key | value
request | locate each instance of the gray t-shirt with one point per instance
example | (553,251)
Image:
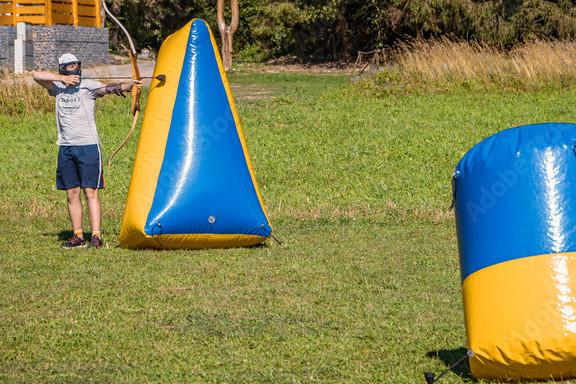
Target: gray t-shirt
(75,112)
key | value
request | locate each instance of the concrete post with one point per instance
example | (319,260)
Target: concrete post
(20,48)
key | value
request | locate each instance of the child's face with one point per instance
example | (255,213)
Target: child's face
(72,66)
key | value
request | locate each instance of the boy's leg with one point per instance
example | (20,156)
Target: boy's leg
(67,180)
(75,210)
(94,210)
(91,179)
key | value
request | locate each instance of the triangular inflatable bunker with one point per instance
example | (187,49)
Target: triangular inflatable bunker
(193,185)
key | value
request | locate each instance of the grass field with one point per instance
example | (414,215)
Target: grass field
(365,290)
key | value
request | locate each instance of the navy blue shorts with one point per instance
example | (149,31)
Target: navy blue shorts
(79,166)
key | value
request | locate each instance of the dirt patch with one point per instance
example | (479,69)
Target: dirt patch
(329,68)
(252,92)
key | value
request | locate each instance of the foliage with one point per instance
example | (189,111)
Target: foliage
(20,96)
(321,30)
(443,64)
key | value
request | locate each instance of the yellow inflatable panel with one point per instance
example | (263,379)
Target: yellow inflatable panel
(521,318)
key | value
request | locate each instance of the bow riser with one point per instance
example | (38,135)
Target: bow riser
(135,108)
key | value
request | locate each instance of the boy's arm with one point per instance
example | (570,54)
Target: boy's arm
(117,89)
(47,79)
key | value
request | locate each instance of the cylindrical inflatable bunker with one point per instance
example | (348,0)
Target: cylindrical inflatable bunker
(515,204)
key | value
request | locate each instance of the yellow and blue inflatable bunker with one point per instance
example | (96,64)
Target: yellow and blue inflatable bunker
(193,185)
(515,201)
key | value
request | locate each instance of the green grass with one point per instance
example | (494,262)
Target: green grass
(366,289)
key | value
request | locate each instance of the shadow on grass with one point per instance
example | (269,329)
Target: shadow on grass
(66,234)
(449,357)
(258,246)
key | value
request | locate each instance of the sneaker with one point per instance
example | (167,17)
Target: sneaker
(74,242)
(96,242)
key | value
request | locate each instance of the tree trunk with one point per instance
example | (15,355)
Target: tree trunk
(227,31)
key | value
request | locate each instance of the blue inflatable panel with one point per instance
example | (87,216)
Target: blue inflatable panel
(204,175)
(515,196)
(193,184)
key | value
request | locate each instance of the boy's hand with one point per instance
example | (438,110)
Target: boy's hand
(70,80)
(126,86)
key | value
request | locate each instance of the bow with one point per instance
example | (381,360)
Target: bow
(135,109)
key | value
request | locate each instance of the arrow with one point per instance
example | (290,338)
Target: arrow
(160,78)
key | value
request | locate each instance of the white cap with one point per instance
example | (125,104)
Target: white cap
(67,58)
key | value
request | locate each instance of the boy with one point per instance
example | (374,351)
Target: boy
(79,155)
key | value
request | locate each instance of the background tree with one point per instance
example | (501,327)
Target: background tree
(227,31)
(334,30)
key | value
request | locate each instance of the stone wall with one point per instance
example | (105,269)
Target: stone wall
(88,44)
(7,36)
(46,43)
